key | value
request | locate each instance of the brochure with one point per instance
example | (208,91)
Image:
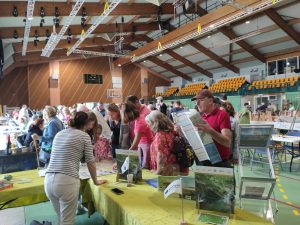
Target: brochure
(201,142)
(213,219)
(128,162)
(215,188)
(188,188)
(206,138)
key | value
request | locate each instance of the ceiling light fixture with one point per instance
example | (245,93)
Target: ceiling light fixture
(160,55)
(29,14)
(119,65)
(205,29)
(56,12)
(42,12)
(36,35)
(247,22)
(15,12)
(208,36)
(55,38)
(99,20)
(181,47)
(15,35)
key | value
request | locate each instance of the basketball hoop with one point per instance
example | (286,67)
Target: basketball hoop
(114,93)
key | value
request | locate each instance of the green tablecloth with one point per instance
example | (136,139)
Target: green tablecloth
(27,193)
(142,204)
(139,205)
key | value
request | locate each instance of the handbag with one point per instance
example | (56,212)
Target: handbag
(44,156)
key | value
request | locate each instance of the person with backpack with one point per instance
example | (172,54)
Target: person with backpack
(163,160)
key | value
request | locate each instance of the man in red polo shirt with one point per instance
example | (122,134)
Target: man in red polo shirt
(218,122)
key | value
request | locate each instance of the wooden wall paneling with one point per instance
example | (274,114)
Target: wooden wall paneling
(131,81)
(13,88)
(38,85)
(73,89)
(155,81)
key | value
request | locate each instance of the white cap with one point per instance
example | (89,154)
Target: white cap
(159,98)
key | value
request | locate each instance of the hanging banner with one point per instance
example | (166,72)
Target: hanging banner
(199,29)
(159,47)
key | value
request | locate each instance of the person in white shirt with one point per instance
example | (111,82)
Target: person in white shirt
(106,132)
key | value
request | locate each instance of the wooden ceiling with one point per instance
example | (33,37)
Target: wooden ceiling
(142,34)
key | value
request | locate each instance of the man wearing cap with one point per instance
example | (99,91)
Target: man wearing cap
(162,107)
(218,123)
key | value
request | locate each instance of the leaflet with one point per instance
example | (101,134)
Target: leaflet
(201,142)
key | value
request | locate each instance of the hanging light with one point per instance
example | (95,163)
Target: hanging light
(15,35)
(15,12)
(42,12)
(56,12)
(83,12)
(36,35)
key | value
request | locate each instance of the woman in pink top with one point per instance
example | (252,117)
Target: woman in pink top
(142,132)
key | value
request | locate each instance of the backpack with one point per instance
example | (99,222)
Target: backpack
(183,152)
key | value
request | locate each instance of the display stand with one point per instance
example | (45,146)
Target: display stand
(256,188)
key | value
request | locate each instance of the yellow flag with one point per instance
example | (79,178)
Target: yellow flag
(82,32)
(105,6)
(273,1)
(159,46)
(199,29)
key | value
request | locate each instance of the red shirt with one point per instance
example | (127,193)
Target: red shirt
(219,120)
(142,127)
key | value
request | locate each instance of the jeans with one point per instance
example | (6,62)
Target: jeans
(144,150)
(63,190)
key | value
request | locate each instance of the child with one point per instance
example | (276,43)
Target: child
(102,148)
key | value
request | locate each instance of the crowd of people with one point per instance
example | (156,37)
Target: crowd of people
(70,135)
(133,125)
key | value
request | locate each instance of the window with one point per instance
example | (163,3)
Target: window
(272,70)
(291,65)
(284,66)
(281,66)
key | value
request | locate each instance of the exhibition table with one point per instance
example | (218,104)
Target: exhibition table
(292,140)
(285,138)
(28,188)
(140,204)
(143,204)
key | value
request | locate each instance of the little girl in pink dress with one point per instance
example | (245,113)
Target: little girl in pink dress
(102,147)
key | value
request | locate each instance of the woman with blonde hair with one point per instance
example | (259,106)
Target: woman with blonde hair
(53,126)
(162,160)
